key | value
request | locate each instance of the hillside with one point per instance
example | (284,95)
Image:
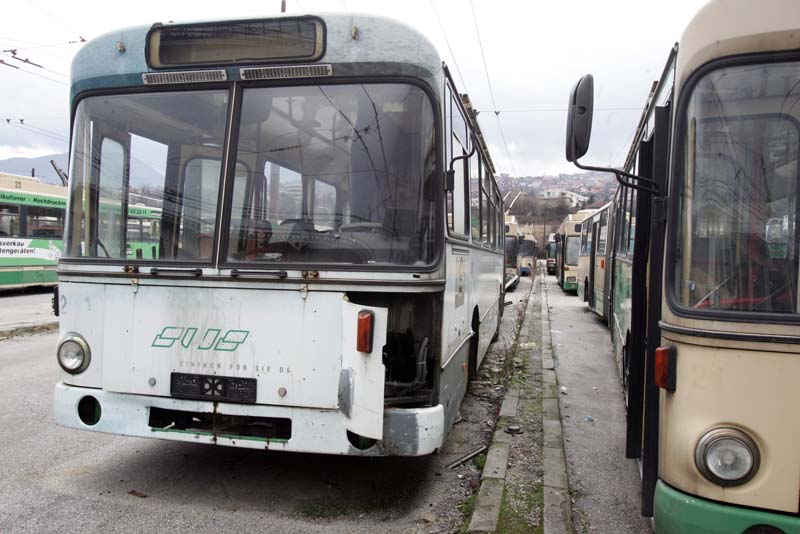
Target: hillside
(41,166)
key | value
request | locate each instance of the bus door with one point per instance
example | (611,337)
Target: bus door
(592,264)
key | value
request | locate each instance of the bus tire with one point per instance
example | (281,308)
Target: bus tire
(472,362)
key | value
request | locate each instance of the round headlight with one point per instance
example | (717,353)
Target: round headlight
(73,354)
(727,456)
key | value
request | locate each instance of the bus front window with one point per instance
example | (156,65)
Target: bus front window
(737,236)
(343,174)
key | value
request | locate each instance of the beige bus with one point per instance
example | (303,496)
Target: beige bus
(593,267)
(711,387)
(568,242)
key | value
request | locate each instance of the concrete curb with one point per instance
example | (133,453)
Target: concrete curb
(28,328)
(557,503)
(488,502)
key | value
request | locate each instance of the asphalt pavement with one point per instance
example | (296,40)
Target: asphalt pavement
(69,481)
(22,311)
(605,485)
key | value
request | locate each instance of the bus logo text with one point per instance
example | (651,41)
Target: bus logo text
(212,338)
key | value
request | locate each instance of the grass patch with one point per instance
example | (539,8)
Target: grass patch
(466,507)
(516,508)
(479,461)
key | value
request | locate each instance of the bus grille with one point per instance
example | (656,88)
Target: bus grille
(186,76)
(279,73)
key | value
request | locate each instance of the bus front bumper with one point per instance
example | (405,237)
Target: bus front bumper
(406,432)
(680,513)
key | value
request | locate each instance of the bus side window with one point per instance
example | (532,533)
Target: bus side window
(9,221)
(602,233)
(632,226)
(44,223)
(475,196)
(458,143)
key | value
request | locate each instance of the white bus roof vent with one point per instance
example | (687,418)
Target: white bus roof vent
(282,73)
(184,76)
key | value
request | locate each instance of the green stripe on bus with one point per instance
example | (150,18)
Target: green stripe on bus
(32,199)
(16,278)
(679,513)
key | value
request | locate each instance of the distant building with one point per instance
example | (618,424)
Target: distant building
(574,199)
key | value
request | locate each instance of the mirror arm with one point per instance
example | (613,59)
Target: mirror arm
(450,181)
(651,186)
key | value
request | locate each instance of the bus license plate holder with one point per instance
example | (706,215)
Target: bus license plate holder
(213,387)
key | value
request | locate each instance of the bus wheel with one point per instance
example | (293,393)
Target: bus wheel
(472,363)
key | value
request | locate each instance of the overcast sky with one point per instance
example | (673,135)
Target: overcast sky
(535,50)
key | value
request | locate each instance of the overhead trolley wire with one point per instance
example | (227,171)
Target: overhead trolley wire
(32,73)
(13,55)
(449,48)
(491,92)
(59,21)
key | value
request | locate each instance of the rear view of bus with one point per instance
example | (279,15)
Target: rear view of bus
(290,284)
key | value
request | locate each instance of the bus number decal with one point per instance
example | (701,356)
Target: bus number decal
(211,339)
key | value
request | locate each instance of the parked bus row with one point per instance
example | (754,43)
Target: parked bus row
(695,266)
(329,271)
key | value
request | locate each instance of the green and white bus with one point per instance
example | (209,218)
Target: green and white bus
(706,263)
(31,228)
(328,273)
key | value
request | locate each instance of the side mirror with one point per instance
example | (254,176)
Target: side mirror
(579,118)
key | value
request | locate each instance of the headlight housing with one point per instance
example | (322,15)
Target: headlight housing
(727,456)
(73,354)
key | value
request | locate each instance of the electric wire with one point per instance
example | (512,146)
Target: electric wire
(33,73)
(449,48)
(59,21)
(27,61)
(491,92)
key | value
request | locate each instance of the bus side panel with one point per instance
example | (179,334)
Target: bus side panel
(621,320)
(717,386)
(490,268)
(456,331)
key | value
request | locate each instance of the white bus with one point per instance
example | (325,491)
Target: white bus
(329,268)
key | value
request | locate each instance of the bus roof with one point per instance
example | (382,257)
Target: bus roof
(355,45)
(725,28)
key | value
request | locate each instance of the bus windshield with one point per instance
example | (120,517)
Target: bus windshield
(337,174)
(573,246)
(527,248)
(340,174)
(738,234)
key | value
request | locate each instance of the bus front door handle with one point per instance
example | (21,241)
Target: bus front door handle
(155,271)
(259,272)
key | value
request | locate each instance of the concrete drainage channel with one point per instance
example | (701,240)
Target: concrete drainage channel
(524,485)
